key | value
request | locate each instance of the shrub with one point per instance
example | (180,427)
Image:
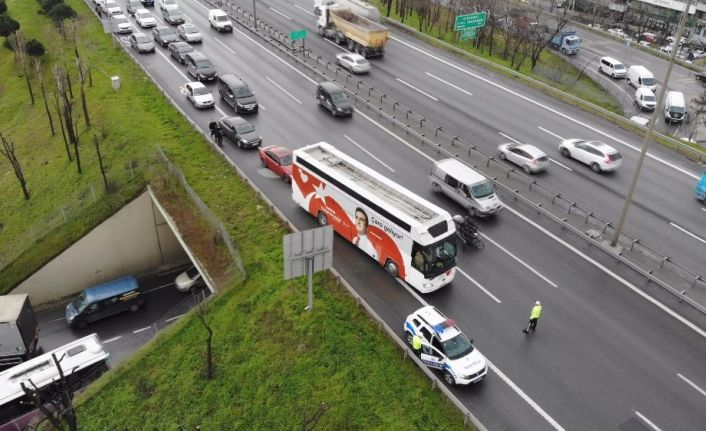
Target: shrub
(3,7)
(60,12)
(35,48)
(47,5)
(8,25)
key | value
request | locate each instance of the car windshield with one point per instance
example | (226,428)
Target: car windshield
(144,15)
(457,347)
(649,98)
(243,92)
(201,91)
(438,257)
(175,14)
(185,48)
(677,109)
(222,18)
(286,160)
(202,64)
(244,128)
(142,38)
(619,67)
(192,273)
(648,81)
(482,190)
(122,20)
(80,302)
(339,96)
(167,32)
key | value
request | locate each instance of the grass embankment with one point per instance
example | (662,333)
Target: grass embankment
(552,68)
(275,364)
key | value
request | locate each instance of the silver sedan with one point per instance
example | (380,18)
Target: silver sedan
(530,158)
(189,33)
(354,62)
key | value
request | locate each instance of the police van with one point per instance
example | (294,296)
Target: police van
(444,347)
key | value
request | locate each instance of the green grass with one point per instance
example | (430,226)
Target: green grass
(549,61)
(274,363)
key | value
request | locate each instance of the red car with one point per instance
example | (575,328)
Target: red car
(278,160)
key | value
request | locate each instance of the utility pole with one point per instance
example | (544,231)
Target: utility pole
(254,14)
(651,129)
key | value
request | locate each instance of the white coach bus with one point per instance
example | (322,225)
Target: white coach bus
(409,236)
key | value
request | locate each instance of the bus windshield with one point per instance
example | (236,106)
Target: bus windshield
(439,257)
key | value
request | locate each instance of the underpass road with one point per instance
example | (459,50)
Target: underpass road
(601,352)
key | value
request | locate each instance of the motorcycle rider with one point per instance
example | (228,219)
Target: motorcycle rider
(466,227)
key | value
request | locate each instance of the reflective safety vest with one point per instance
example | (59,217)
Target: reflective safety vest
(417,342)
(536,311)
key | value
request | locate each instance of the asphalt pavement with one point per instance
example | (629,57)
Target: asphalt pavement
(605,356)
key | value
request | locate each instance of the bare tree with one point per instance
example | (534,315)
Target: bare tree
(8,150)
(96,142)
(38,71)
(540,38)
(20,44)
(67,111)
(63,131)
(81,75)
(309,424)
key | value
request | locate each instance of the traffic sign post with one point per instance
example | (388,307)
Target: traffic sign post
(298,35)
(468,33)
(471,20)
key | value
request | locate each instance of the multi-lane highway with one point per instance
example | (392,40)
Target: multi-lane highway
(605,356)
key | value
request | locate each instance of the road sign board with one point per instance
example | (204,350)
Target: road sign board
(471,20)
(298,34)
(468,33)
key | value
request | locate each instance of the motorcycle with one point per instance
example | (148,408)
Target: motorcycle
(468,232)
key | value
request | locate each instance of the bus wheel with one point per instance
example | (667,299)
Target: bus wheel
(321,218)
(391,268)
(134,307)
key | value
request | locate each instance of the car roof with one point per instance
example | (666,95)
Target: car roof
(601,146)
(611,60)
(197,56)
(142,10)
(434,319)
(234,120)
(195,84)
(232,79)
(138,34)
(188,25)
(330,86)
(460,171)
(111,288)
(531,149)
(641,90)
(280,151)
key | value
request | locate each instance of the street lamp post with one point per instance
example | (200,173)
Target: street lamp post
(650,130)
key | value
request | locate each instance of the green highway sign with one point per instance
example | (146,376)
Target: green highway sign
(296,35)
(468,33)
(472,20)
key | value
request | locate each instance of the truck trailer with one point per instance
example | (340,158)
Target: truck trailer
(19,330)
(350,26)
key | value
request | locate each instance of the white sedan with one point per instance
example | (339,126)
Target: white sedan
(190,33)
(356,63)
(199,95)
(530,158)
(145,19)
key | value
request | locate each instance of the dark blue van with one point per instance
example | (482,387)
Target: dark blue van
(104,300)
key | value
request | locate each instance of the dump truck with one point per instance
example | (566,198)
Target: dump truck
(19,330)
(566,42)
(349,22)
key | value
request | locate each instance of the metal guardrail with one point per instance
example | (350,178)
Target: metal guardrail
(645,260)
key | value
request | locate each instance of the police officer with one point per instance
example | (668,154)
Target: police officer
(534,317)
(417,344)
(218,135)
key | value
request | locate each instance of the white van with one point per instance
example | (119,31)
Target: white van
(639,76)
(612,67)
(466,186)
(645,99)
(674,107)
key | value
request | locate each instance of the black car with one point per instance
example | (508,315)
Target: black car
(164,35)
(239,131)
(334,98)
(173,16)
(200,67)
(147,2)
(237,93)
(178,51)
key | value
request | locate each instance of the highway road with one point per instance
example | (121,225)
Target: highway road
(605,356)
(487,110)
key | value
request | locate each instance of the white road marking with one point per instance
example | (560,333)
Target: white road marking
(647,421)
(561,164)
(202,6)
(224,45)
(260,106)
(552,110)
(389,132)
(275,56)
(280,13)
(449,84)
(336,45)
(703,392)
(369,153)
(688,233)
(137,331)
(508,137)
(486,291)
(110,340)
(171,63)
(304,10)
(283,90)
(551,133)
(525,397)
(415,88)
(173,318)
(520,261)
